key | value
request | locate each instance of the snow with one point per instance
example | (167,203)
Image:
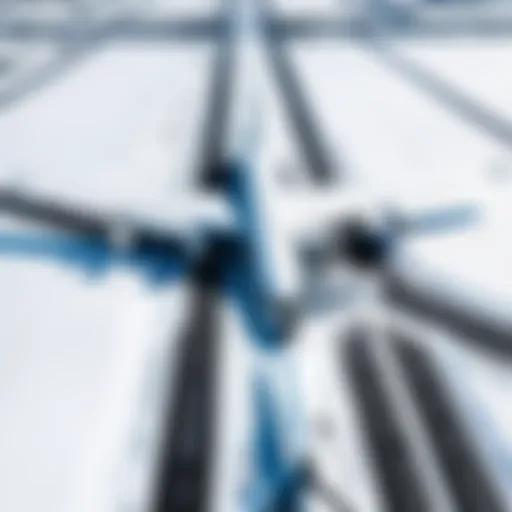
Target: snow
(186,9)
(320,8)
(75,352)
(121,125)
(412,151)
(121,128)
(395,138)
(480,69)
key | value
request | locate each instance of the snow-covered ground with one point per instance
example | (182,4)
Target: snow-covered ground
(79,354)
(478,68)
(186,9)
(82,12)
(395,137)
(79,351)
(22,60)
(47,10)
(315,8)
(401,143)
(475,12)
(121,127)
